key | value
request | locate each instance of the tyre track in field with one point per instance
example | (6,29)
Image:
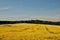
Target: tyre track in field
(51,31)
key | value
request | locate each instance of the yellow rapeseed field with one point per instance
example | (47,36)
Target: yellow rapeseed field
(26,31)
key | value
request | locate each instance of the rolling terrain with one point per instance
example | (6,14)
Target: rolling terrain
(27,31)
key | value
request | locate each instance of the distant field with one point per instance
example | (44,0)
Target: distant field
(26,31)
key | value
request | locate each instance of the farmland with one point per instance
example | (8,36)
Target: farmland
(28,31)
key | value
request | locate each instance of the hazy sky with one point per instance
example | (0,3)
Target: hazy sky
(30,9)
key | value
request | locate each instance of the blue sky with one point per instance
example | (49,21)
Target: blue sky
(30,9)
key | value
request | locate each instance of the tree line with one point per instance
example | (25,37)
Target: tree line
(31,21)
